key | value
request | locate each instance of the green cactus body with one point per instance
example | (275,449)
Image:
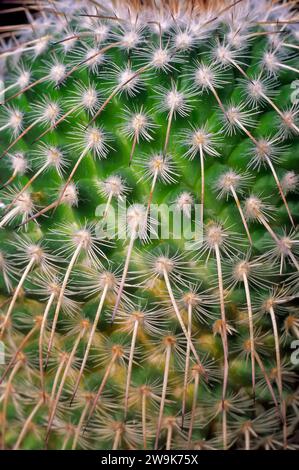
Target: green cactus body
(149,337)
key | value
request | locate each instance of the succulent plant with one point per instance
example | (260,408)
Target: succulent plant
(149,252)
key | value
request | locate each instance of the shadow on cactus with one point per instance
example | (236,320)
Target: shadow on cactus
(149,208)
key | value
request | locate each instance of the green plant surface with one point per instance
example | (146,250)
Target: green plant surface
(153,340)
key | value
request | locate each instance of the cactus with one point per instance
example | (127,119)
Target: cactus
(142,339)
